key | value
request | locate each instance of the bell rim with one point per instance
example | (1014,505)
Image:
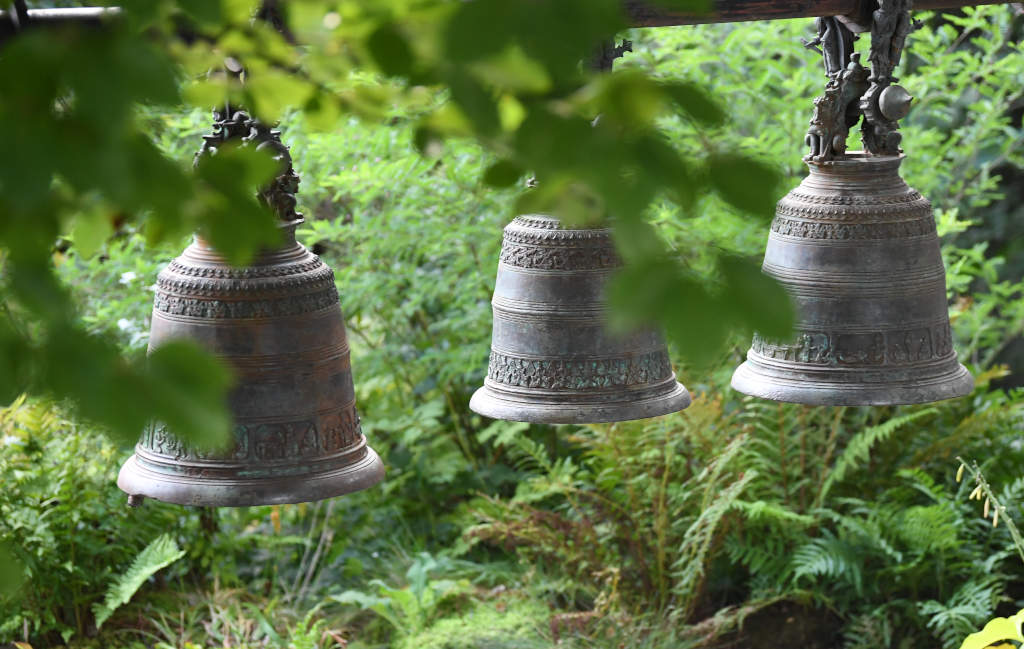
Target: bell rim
(137,480)
(578,408)
(952,384)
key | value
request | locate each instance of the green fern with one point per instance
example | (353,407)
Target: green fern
(159,554)
(858,451)
(829,557)
(973,603)
(697,540)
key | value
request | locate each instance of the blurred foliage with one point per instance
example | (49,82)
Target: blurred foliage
(705,528)
(82,164)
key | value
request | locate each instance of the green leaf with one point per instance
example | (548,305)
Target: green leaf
(12,572)
(231,218)
(271,92)
(203,11)
(159,554)
(745,183)
(15,363)
(475,102)
(189,393)
(390,50)
(695,101)
(758,300)
(658,291)
(503,173)
(104,387)
(630,99)
(90,231)
(513,70)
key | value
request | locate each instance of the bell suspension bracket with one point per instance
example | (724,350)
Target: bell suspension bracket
(852,91)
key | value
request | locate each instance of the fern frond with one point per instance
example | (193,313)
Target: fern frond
(699,536)
(159,554)
(830,557)
(969,606)
(858,450)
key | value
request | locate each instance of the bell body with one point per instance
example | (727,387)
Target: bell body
(553,360)
(278,325)
(857,250)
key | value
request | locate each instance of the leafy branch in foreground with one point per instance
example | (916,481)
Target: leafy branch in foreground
(81,166)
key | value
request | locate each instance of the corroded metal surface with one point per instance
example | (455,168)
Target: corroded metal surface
(553,360)
(857,250)
(278,324)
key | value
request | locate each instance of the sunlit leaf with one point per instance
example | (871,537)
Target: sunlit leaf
(90,230)
(512,70)
(631,99)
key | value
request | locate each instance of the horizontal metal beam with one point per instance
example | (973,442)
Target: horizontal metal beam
(647,14)
(641,14)
(55,18)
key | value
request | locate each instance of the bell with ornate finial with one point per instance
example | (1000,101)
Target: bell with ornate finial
(277,324)
(553,358)
(858,252)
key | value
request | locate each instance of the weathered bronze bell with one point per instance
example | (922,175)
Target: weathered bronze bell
(553,359)
(857,250)
(278,324)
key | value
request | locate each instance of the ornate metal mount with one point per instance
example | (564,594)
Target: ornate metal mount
(230,123)
(608,52)
(851,91)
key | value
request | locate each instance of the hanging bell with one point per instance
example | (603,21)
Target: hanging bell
(278,325)
(553,360)
(857,250)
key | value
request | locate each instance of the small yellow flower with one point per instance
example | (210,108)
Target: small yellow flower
(960,473)
(984,510)
(995,518)
(975,494)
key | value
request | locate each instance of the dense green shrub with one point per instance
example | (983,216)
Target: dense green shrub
(661,533)
(73,531)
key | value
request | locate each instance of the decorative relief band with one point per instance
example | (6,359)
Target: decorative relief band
(279,441)
(244,309)
(538,222)
(579,375)
(861,349)
(171,281)
(249,272)
(559,258)
(577,238)
(843,231)
(910,196)
(854,208)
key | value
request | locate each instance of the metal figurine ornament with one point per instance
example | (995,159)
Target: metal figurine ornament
(553,359)
(857,249)
(278,324)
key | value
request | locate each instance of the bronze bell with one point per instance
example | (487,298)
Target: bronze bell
(278,324)
(857,250)
(553,360)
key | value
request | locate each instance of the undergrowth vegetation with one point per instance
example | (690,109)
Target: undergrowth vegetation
(735,523)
